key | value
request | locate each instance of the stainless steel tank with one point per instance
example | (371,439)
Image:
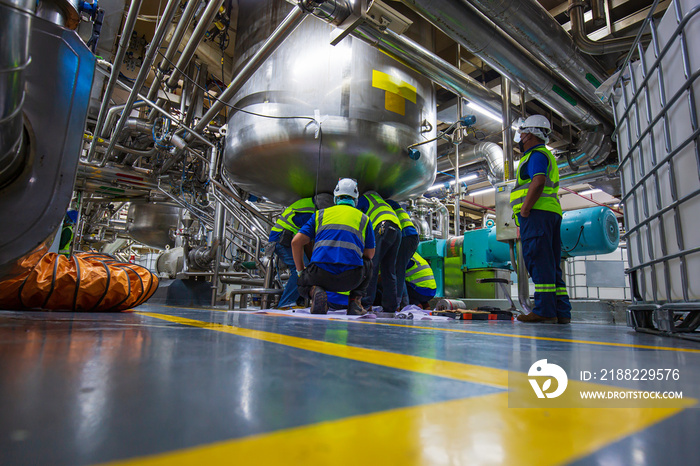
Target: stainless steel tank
(371,108)
(152,224)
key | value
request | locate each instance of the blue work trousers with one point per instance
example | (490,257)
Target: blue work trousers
(407,249)
(541,239)
(388,239)
(290,293)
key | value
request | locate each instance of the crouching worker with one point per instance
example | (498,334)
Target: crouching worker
(420,281)
(342,255)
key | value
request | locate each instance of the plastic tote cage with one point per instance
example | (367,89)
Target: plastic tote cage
(656,106)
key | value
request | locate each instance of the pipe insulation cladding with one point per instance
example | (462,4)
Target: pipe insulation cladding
(360,111)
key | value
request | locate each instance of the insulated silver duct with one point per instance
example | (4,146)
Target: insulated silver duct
(15,20)
(488,152)
(531,26)
(483,39)
(591,47)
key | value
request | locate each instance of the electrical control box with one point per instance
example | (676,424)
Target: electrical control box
(506,229)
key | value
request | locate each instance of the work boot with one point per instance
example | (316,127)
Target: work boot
(355,308)
(563,320)
(319,301)
(534,318)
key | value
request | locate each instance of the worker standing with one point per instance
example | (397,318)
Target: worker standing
(407,248)
(387,231)
(282,232)
(420,281)
(535,203)
(342,254)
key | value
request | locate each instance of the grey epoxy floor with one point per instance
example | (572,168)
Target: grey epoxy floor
(78,389)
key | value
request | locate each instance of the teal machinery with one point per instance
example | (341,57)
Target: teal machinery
(459,262)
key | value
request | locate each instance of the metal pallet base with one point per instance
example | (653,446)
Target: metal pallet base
(679,320)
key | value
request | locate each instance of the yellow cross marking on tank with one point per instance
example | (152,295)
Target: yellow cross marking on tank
(397,91)
(476,430)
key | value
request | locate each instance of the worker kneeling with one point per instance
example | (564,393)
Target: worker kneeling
(420,282)
(342,255)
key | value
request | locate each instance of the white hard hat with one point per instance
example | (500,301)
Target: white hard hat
(538,125)
(346,187)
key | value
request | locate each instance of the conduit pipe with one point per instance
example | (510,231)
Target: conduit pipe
(175,40)
(163,24)
(591,47)
(530,25)
(116,67)
(483,39)
(288,25)
(199,32)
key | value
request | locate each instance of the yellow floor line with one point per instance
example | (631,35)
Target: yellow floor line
(479,430)
(527,337)
(476,430)
(458,371)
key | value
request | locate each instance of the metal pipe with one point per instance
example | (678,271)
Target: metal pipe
(443,219)
(458,183)
(197,35)
(15,22)
(530,25)
(219,223)
(484,40)
(240,201)
(116,66)
(288,25)
(591,47)
(173,45)
(488,152)
(598,10)
(508,164)
(165,20)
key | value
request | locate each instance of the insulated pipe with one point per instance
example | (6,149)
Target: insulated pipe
(170,52)
(197,35)
(163,24)
(484,40)
(116,66)
(488,152)
(588,146)
(591,47)
(508,163)
(15,21)
(530,25)
(288,25)
(219,224)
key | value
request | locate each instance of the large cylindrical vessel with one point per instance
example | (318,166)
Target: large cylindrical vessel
(370,107)
(153,224)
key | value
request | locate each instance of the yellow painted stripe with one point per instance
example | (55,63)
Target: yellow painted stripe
(458,371)
(480,430)
(394,85)
(508,335)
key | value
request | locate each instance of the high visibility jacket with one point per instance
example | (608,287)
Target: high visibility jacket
(379,211)
(548,200)
(420,275)
(339,236)
(407,226)
(286,220)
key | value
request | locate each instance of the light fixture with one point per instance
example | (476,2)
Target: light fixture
(436,187)
(590,191)
(484,111)
(471,176)
(482,191)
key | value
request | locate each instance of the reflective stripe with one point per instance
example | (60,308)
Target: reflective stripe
(423,279)
(286,220)
(338,226)
(561,291)
(548,200)
(379,211)
(404,218)
(338,244)
(420,268)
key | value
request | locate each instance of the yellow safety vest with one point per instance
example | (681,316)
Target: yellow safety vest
(404,218)
(549,199)
(286,220)
(379,211)
(420,274)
